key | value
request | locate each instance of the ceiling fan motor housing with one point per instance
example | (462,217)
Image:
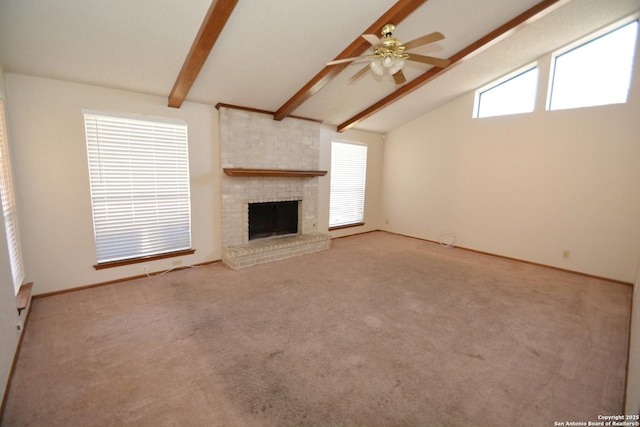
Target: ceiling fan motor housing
(387,30)
(391,48)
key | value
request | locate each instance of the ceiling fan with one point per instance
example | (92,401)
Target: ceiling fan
(390,54)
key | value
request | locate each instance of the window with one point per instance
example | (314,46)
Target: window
(595,73)
(9,206)
(513,95)
(348,173)
(139,175)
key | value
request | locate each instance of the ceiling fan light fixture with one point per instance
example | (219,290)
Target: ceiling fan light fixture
(398,63)
(376,66)
(388,53)
(388,60)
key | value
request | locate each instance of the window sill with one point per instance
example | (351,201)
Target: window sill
(22,298)
(340,227)
(123,262)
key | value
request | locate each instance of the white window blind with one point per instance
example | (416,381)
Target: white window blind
(139,173)
(9,206)
(348,174)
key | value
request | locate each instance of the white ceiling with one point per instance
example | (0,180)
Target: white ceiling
(269,49)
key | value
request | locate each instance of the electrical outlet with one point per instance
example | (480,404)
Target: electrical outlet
(177,263)
(566,254)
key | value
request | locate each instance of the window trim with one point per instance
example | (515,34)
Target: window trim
(341,227)
(130,261)
(502,80)
(584,40)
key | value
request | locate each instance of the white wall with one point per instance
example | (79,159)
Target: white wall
(526,186)
(52,183)
(375,153)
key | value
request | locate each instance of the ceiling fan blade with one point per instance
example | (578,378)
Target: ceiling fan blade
(374,40)
(421,41)
(359,74)
(342,61)
(399,77)
(428,60)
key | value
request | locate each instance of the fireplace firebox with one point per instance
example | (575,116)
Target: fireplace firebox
(273,219)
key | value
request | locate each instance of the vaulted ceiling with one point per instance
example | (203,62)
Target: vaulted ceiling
(271,55)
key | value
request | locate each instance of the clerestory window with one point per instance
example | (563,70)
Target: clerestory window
(597,72)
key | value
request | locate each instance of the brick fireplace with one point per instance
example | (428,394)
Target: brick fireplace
(266,161)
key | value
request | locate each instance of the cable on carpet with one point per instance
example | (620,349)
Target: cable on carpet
(448,239)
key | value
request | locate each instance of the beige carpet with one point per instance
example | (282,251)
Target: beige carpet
(380,330)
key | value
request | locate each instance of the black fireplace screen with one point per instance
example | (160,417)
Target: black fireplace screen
(272,219)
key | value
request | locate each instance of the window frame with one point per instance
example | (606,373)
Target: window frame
(499,82)
(583,41)
(149,184)
(357,218)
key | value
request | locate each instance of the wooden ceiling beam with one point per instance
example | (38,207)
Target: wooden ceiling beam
(215,20)
(395,15)
(534,13)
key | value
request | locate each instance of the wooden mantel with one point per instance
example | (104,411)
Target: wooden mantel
(281,173)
